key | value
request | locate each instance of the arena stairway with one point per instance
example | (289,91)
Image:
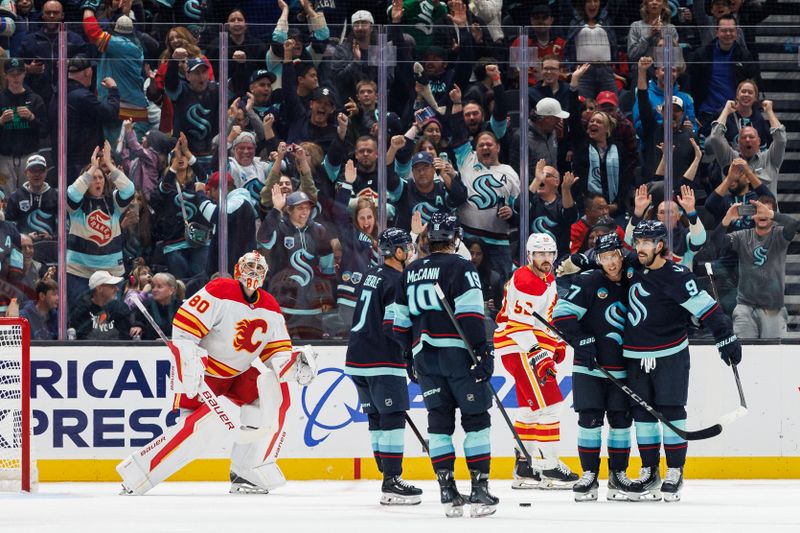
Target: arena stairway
(778,44)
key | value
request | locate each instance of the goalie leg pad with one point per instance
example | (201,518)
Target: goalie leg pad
(165,455)
(265,418)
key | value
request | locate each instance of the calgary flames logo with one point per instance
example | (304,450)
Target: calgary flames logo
(245,329)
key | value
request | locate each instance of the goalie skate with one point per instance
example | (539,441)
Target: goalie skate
(240,485)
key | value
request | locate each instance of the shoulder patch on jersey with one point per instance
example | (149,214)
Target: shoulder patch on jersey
(526,281)
(602,293)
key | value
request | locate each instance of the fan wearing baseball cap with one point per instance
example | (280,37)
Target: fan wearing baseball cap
(99,315)
(34,206)
(601,164)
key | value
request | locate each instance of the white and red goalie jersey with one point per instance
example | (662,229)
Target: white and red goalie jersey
(517,329)
(234,331)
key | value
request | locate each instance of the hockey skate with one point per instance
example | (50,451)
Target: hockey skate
(673,483)
(619,485)
(395,491)
(481,501)
(585,490)
(452,500)
(558,478)
(648,487)
(525,476)
(240,485)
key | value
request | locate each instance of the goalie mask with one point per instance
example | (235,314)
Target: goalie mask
(251,270)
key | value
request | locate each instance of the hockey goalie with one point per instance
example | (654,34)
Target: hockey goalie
(230,338)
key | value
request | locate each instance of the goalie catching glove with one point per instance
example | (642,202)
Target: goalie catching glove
(306,365)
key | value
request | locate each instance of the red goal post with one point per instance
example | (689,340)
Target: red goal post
(17,471)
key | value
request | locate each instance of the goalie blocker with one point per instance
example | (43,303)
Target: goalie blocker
(249,361)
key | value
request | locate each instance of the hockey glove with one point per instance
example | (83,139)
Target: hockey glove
(560,353)
(93,5)
(412,376)
(585,352)
(485,367)
(730,350)
(542,363)
(306,365)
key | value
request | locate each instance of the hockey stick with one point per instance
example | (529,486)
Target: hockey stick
(700,434)
(449,311)
(422,440)
(205,394)
(742,409)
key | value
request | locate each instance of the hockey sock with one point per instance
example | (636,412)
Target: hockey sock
(675,447)
(443,454)
(589,440)
(373,419)
(619,448)
(648,439)
(391,451)
(477,449)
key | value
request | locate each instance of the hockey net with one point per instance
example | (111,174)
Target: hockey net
(17,469)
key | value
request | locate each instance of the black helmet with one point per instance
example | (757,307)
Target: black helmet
(392,238)
(443,227)
(650,229)
(607,243)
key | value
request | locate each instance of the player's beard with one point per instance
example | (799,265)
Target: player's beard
(542,268)
(648,259)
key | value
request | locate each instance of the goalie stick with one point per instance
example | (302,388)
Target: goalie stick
(742,409)
(449,311)
(700,434)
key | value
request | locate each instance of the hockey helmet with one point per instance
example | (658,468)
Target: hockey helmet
(392,238)
(607,243)
(541,242)
(653,230)
(251,270)
(443,227)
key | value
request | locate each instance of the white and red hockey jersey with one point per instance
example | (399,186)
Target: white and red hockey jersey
(232,330)
(517,330)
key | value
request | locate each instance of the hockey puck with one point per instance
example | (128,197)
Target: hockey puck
(525,504)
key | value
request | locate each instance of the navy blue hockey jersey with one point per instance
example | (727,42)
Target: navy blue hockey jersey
(660,303)
(372,349)
(595,307)
(420,318)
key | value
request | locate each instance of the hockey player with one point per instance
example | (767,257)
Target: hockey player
(593,315)
(662,296)
(376,365)
(530,353)
(442,366)
(217,334)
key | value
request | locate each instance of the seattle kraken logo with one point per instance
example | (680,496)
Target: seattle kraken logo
(760,255)
(615,316)
(484,196)
(638,311)
(544,225)
(200,127)
(191,209)
(426,209)
(299,262)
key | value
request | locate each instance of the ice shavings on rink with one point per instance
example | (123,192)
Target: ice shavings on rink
(352,507)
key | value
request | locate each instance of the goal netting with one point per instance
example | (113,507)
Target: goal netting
(17,470)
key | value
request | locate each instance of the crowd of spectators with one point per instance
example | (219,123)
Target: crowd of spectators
(301,128)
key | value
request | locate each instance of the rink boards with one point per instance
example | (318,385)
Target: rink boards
(94,405)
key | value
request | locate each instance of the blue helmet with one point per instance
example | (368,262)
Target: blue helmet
(607,243)
(392,238)
(650,229)
(443,227)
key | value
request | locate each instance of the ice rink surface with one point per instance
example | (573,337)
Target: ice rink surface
(352,506)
